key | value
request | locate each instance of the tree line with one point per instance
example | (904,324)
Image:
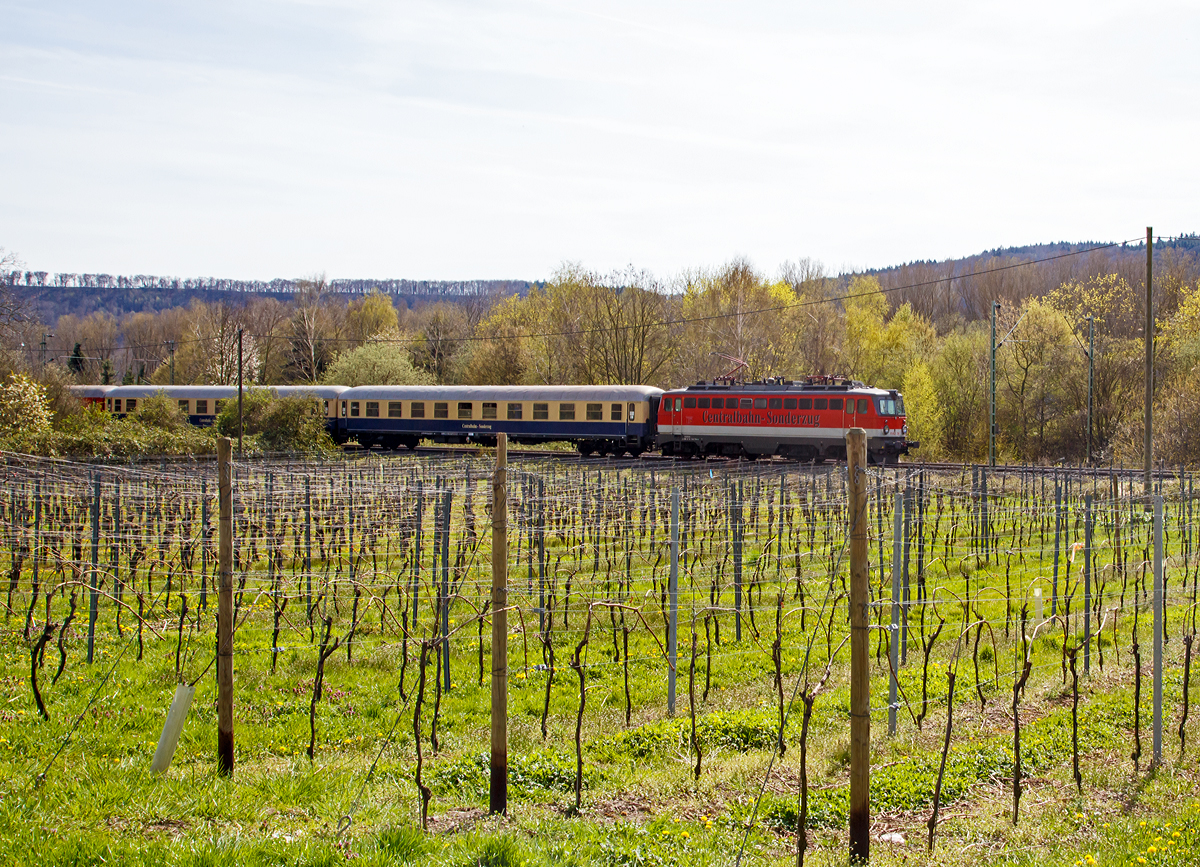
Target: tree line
(923,328)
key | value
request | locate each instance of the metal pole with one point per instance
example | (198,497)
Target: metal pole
(860,651)
(241,453)
(172,362)
(1091,382)
(673,590)
(1158,628)
(1087,583)
(446,590)
(1148,445)
(498,789)
(894,644)
(992,404)
(225,609)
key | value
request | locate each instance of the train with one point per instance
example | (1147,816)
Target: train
(796,419)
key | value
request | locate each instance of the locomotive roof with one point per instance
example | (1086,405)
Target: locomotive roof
(785,386)
(502,392)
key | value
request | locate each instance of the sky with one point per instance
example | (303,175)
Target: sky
(454,139)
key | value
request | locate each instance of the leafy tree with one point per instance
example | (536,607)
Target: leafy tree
(383,361)
(926,412)
(24,407)
(76,363)
(370,315)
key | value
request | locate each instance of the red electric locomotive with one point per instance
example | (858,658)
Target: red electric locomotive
(798,419)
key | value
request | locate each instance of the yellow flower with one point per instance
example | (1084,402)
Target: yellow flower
(1152,850)
(1141,860)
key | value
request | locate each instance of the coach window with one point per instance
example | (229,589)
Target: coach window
(863,405)
(615,412)
(489,410)
(117,405)
(202,407)
(632,411)
(746,403)
(566,412)
(689,403)
(820,403)
(372,409)
(775,403)
(395,409)
(541,412)
(326,407)
(464,409)
(806,403)
(703,402)
(789,403)
(835,403)
(441,409)
(418,409)
(514,411)
(595,412)
(130,404)
(183,407)
(354,409)
(109,402)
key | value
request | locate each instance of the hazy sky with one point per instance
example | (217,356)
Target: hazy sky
(454,140)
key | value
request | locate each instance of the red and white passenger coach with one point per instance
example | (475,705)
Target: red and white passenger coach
(802,420)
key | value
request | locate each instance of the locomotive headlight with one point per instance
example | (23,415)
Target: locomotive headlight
(904,430)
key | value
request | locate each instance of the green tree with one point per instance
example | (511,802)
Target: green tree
(926,412)
(293,423)
(383,361)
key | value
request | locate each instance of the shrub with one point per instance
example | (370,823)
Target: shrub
(294,423)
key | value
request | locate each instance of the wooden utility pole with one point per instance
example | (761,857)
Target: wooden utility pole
(1149,443)
(860,682)
(225,608)
(498,797)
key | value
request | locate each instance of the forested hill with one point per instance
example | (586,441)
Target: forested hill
(52,295)
(964,289)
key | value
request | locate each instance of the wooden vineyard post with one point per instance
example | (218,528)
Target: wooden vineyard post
(894,644)
(498,797)
(225,608)
(94,594)
(860,684)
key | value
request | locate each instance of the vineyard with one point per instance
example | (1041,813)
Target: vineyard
(677,652)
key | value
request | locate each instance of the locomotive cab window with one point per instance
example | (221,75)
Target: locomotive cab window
(418,409)
(566,412)
(775,403)
(863,404)
(835,403)
(465,409)
(689,403)
(678,404)
(489,410)
(441,409)
(514,411)
(541,412)
(789,403)
(202,407)
(887,406)
(703,402)
(395,409)
(615,412)
(372,409)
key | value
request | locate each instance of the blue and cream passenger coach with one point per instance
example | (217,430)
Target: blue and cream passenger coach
(605,419)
